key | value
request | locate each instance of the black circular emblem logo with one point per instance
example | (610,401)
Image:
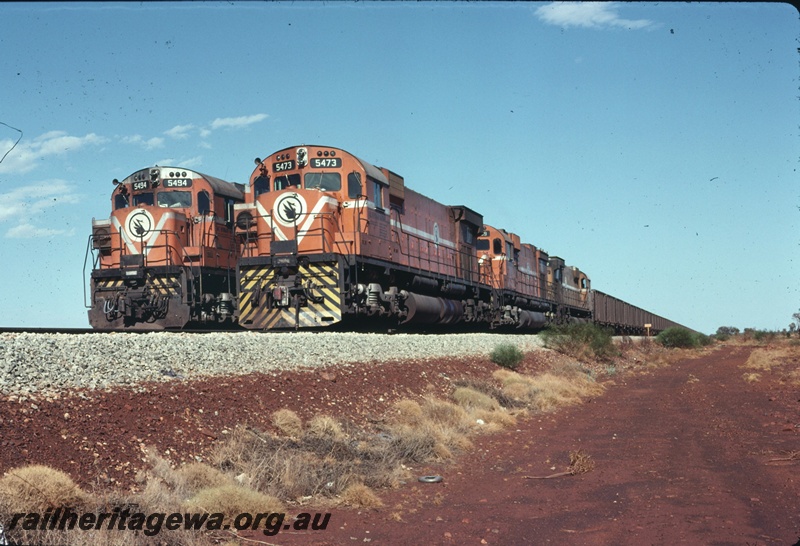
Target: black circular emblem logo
(289,209)
(139,224)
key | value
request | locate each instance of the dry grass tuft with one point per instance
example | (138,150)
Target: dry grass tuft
(37,488)
(492,390)
(751,377)
(324,461)
(417,444)
(766,358)
(762,359)
(793,377)
(288,422)
(407,412)
(548,391)
(325,426)
(580,462)
(446,415)
(197,476)
(499,418)
(232,500)
(470,398)
(360,496)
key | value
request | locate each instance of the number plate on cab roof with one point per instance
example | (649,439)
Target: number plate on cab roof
(326,162)
(283,166)
(177,183)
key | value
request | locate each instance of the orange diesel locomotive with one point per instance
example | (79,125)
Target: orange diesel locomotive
(166,257)
(325,235)
(529,287)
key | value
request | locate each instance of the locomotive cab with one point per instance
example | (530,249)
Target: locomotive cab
(166,256)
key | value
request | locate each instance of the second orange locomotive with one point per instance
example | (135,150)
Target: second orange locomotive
(325,235)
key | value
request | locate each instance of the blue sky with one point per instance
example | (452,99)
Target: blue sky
(655,146)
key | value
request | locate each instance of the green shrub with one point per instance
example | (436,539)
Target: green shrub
(583,341)
(507,355)
(724,333)
(704,340)
(677,337)
(764,335)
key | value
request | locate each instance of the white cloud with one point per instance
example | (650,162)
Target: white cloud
(189,163)
(28,231)
(148,144)
(183,132)
(58,142)
(19,204)
(588,15)
(192,162)
(180,131)
(235,123)
(27,155)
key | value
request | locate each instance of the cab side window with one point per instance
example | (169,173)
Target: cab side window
(261,185)
(497,247)
(353,185)
(378,192)
(120,201)
(203,202)
(229,212)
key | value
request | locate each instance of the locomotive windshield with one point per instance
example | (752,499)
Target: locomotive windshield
(283,182)
(120,201)
(175,199)
(143,199)
(323,181)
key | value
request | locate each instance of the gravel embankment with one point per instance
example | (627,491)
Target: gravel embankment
(51,362)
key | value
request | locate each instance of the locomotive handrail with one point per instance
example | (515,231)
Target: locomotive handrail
(86,259)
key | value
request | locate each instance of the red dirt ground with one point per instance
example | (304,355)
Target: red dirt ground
(685,454)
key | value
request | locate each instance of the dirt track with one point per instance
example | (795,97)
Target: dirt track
(683,455)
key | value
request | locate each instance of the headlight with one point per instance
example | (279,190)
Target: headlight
(245,220)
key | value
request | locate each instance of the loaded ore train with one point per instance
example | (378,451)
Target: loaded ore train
(318,238)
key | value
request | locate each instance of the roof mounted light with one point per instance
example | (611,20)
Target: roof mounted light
(302,157)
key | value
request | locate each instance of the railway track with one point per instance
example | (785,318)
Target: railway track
(32,330)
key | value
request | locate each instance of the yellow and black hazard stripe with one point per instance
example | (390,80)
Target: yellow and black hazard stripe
(322,306)
(166,285)
(106,285)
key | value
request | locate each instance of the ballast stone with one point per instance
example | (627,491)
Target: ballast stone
(31,363)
